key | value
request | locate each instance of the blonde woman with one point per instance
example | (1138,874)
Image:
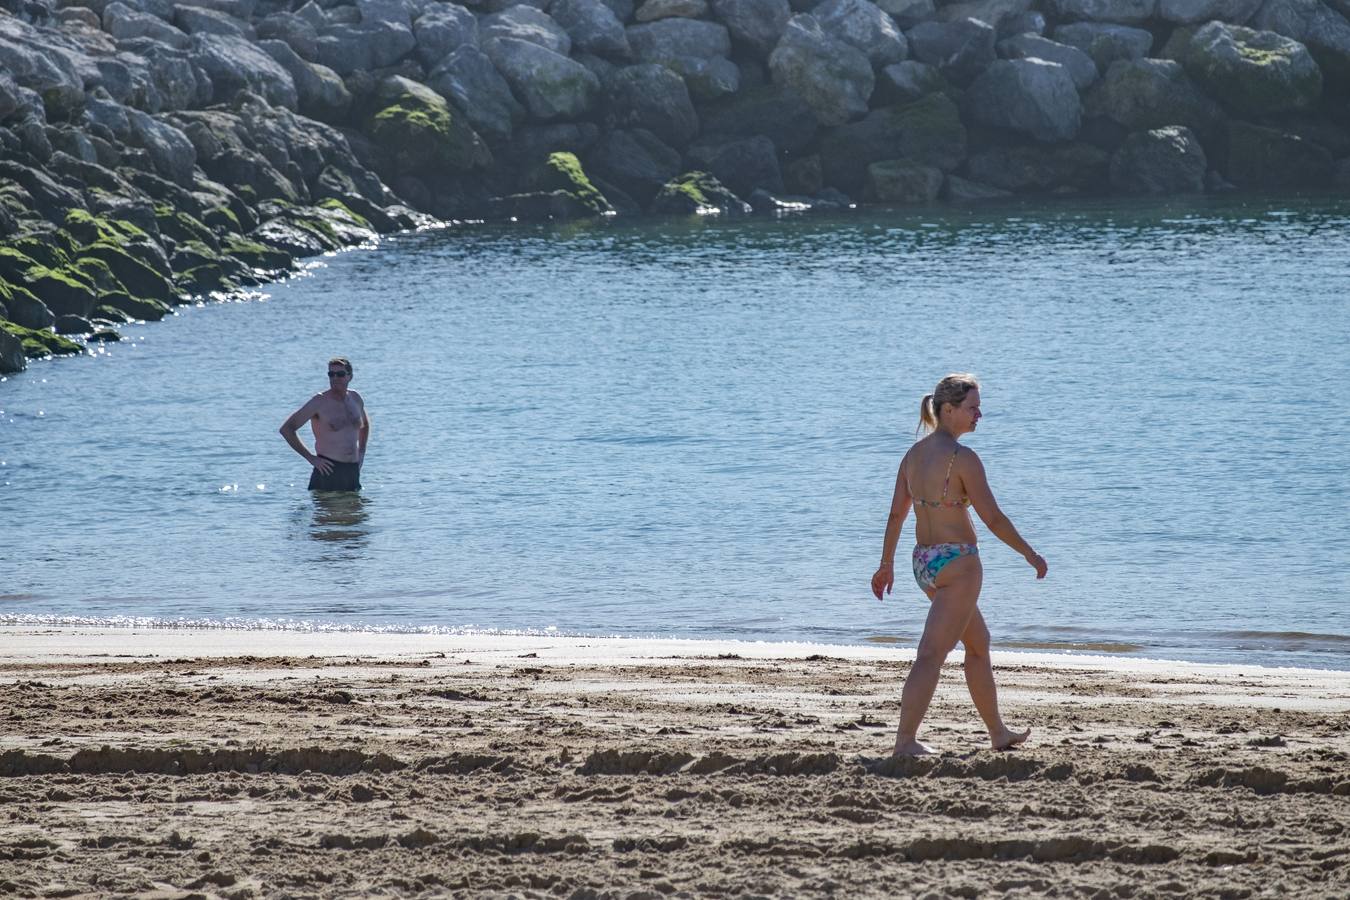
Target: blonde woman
(941,479)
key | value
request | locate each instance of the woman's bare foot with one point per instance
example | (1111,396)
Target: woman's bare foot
(1008,739)
(912,748)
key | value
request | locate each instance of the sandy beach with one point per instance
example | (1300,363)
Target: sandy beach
(174,763)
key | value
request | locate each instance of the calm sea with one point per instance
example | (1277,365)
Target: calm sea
(691,429)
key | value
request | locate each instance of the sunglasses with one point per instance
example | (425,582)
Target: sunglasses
(337,375)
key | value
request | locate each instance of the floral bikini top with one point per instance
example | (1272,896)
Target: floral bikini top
(944,502)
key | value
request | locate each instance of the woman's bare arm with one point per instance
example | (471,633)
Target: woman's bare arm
(901,501)
(973,478)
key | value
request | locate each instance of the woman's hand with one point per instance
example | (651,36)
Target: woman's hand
(1037,562)
(883,580)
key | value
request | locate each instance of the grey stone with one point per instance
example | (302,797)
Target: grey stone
(1106,43)
(171,153)
(1260,157)
(320,93)
(1252,72)
(235,64)
(347,48)
(552,86)
(525,23)
(26,310)
(442,30)
(1324,31)
(122,22)
(593,28)
(1189,12)
(1079,65)
(907,81)
(862,24)
(207,21)
(674,38)
(469,80)
(12,358)
(743,164)
(928,132)
(1124,12)
(963,190)
(651,96)
(1022,23)
(636,161)
(991,12)
(904,183)
(833,78)
(240,9)
(756,24)
(652,10)
(1161,161)
(908,13)
(300,35)
(960,50)
(1030,96)
(1143,94)
(708,79)
(769,111)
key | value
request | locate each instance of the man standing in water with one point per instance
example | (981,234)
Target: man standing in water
(341,429)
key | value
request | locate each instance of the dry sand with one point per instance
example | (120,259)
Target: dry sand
(237,764)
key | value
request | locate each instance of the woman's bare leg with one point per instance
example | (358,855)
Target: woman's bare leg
(958,589)
(980,680)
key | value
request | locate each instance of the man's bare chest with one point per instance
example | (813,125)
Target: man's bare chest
(339,415)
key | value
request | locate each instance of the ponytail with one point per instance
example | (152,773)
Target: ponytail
(927,415)
(953,390)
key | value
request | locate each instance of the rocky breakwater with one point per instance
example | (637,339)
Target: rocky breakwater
(154,152)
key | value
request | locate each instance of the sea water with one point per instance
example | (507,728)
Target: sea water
(691,428)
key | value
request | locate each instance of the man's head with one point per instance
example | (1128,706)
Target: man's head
(339,371)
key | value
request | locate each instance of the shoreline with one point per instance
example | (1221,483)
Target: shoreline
(241,764)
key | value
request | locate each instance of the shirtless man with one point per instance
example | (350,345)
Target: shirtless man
(341,429)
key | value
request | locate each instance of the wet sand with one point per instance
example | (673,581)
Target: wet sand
(240,764)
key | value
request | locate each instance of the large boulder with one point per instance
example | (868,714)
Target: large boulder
(551,85)
(651,10)
(525,23)
(320,92)
(236,64)
(442,30)
(1159,161)
(593,28)
(418,133)
(124,23)
(1030,96)
(1125,12)
(908,13)
(12,356)
(469,80)
(927,132)
(302,37)
(1324,31)
(1253,73)
(1261,157)
(904,183)
(346,48)
(636,161)
(742,164)
(1038,169)
(1143,94)
(1106,43)
(905,82)
(171,153)
(1079,65)
(755,24)
(651,97)
(995,13)
(22,308)
(772,111)
(960,50)
(668,39)
(863,25)
(833,78)
(194,20)
(1190,12)
(708,79)
(697,193)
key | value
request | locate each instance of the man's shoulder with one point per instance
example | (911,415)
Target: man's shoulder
(356,396)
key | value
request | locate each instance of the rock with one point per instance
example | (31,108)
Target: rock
(123,23)
(235,64)
(469,80)
(240,9)
(12,356)
(907,81)
(960,50)
(73,325)
(963,190)
(992,12)
(1160,161)
(622,9)
(708,79)
(907,13)
(698,193)
(1070,168)
(1022,23)
(22,308)
(636,161)
(36,344)
(1341,178)
(1030,96)
(652,97)
(1261,157)
(320,93)
(525,23)
(863,25)
(592,27)
(205,21)
(1189,12)
(562,171)
(927,132)
(1125,12)
(804,175)
(61,292)
(1079,65)
(755,24)
(669,39)
(1252,72)
(833,78)
(442,30)
(770,111)
(552,86)
(301,36)
(1142,94)
(652,10)
(743,164)
(534,143)
(1324,31)
(347,48)
(1106,43)
(900,182)
(417,131)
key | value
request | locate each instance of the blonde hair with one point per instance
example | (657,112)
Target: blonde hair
(953,390)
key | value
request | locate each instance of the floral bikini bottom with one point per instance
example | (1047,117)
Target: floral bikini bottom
(930,559)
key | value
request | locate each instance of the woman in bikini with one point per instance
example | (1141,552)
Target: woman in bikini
(940,479)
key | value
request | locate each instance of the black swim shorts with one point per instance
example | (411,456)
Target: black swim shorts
(344,477)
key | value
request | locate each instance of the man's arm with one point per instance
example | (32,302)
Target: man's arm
(365,436)
(290,428)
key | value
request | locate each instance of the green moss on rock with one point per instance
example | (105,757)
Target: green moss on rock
(419,133)
(64,292)
(222,219)
(564,172)
(130,307)
(697,193)
(335,205)
(48,251)
(254,254)
(183,227)
(14,263)
(39,343)
(139,278)
(88,228)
